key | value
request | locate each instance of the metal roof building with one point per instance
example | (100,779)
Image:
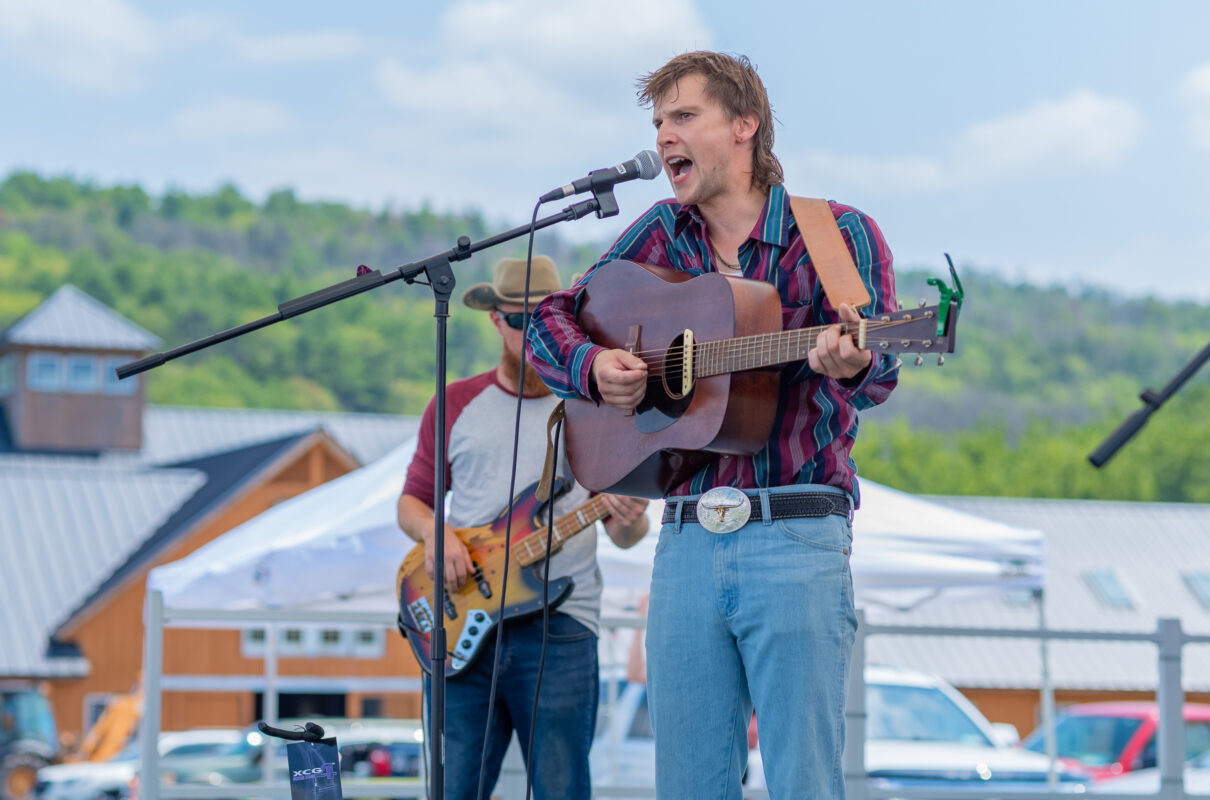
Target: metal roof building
(73,525)
(1110,566)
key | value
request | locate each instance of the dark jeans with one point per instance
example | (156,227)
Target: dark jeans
(567,710)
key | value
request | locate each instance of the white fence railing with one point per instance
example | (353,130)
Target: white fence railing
(1169,638)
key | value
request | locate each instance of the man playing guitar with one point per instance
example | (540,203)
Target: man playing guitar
(756,613)
(480,437)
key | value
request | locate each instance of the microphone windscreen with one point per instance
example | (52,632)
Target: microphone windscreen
(649,164)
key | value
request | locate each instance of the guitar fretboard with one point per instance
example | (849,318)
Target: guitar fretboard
(754,352)
(532,548)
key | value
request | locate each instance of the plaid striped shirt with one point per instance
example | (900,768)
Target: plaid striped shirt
(816,421)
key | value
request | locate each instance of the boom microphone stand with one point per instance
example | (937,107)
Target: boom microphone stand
(440,277)
(1152,401)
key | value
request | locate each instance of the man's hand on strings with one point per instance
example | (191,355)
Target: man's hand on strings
(620,377)
(458,564)
(835,353)
(627,520)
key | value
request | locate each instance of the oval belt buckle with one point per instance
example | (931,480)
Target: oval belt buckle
(723,509)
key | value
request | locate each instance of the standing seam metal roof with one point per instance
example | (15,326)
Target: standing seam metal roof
(1150,545)
(63,527)
(224,475)
(71,318)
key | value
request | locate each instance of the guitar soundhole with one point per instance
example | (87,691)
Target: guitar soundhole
(665,401)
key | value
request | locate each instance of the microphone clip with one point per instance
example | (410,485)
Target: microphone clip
(607,204)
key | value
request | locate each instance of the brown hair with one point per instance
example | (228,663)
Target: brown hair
(732,82)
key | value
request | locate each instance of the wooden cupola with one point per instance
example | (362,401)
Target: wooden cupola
(58,389)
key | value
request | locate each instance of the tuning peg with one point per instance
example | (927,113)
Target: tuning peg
(900,303)
(919,359)
(940,361)
(923,302)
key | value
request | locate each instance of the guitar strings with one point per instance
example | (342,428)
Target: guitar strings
(766,339)
(761,345)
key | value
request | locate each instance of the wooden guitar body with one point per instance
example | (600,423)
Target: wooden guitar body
(472,612)
(669,437)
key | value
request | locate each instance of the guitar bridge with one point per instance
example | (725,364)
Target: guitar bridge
(687,363)
(422,613)
(632,344)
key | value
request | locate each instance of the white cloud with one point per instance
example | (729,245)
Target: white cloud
(577,38)
(1195,89)
(230,118)
(101,44)
(906,175)
(517,73)
(1083,132)
(305,47)
(108,45)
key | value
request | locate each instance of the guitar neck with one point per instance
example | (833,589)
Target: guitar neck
(763,350)
(532,548)
(913,331)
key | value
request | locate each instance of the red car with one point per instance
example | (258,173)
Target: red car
(1110,739)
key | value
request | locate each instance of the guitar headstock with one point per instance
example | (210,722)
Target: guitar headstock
(924,330)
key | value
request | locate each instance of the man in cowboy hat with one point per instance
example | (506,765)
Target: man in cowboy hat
(478,465)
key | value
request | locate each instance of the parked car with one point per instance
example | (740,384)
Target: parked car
(922,733)
(28,740)
(1147,781)
(1111,739)
(109,780)
(368,748)
(623,749)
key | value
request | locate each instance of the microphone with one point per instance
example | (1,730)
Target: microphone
(645,165)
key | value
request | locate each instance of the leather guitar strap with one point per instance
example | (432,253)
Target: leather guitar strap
(832,260)
(548,469)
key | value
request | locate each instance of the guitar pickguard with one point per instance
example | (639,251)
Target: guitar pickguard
(655,415)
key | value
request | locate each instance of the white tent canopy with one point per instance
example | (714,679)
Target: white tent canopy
(338,547)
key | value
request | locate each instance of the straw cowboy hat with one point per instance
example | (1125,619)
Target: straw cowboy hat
(508,284)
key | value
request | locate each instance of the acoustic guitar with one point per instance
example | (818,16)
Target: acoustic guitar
(473,611)
(709,343)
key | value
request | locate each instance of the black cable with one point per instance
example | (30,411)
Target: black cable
(550,529)
(508,524)
(425,712)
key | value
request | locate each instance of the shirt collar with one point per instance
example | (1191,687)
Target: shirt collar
(772,227)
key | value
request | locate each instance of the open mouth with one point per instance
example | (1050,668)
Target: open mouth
(678,167)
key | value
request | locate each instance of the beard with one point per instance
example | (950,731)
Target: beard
(710,185)
(511,363)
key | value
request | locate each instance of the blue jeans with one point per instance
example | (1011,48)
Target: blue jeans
(567,710)
(760,617)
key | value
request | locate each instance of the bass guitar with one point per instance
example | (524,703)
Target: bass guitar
(710,389)
(473,611)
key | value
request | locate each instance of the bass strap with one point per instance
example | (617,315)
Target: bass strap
(825,245)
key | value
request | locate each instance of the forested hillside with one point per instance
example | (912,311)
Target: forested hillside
(1040,376)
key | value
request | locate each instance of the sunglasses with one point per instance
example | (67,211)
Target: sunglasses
(513,319)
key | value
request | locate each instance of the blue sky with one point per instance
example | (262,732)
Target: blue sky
(1050,140)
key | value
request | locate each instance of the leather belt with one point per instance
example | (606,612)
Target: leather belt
(782,505)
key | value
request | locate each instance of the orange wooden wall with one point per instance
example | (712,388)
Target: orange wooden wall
(110,635)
